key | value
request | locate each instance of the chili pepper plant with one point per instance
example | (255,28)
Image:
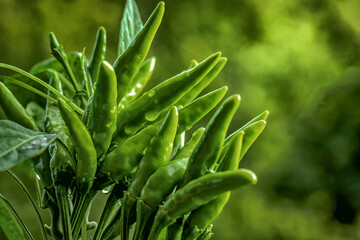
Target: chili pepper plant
(98,131)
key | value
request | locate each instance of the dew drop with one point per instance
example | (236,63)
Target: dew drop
(151,93)
(106,190)
(38,177)
(152,115)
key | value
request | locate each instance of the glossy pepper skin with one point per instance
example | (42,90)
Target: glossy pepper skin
(141,78)
(125,158)
(263,116)
(103,111)
(157,154)
(127,65)
(197,193)
(151,104)
(209,148)
(205,81)
(201,217)
(162,182)
(197,109)
(85,151)
(14,110)
(98,54)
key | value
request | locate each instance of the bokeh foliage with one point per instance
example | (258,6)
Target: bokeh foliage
(298,59)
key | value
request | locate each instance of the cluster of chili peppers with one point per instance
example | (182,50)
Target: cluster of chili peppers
(110,137)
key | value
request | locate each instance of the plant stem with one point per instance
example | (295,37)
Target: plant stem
(63,203)
(81,207)
(27,193)
(42,83)
(114,198)
(28,87)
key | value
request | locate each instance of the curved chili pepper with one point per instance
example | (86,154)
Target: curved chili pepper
(252,132)
(162,182)
(84,147)
(197,109)
(127,65)
(201,217)
(209,148)
(263,116)
(103,112)
(125,158)
(206,80)
(157,100)
(141,78)
(98,54)
(157,154)
(14,110)
(58,52)
(197,193)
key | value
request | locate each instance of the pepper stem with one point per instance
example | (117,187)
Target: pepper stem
(63,203)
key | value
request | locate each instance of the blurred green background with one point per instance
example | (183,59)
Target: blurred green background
(297,59)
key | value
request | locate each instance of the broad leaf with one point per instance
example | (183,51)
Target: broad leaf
(8,223)
(18,143)
(131,24)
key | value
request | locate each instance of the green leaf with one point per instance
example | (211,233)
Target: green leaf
(131,24)
(18,143)
(8,223)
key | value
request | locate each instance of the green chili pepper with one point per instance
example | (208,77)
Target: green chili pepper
(98,54)
(197,193)
(138,84)
(103,112)
(206,80)
(59,53)
(125,158)
(157,154)
(14,110)
(197,109)
(251,134)
(208,150)
(162,182)
(201,217)
(127,65)
(150,105)
(262,116)
(84,147)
